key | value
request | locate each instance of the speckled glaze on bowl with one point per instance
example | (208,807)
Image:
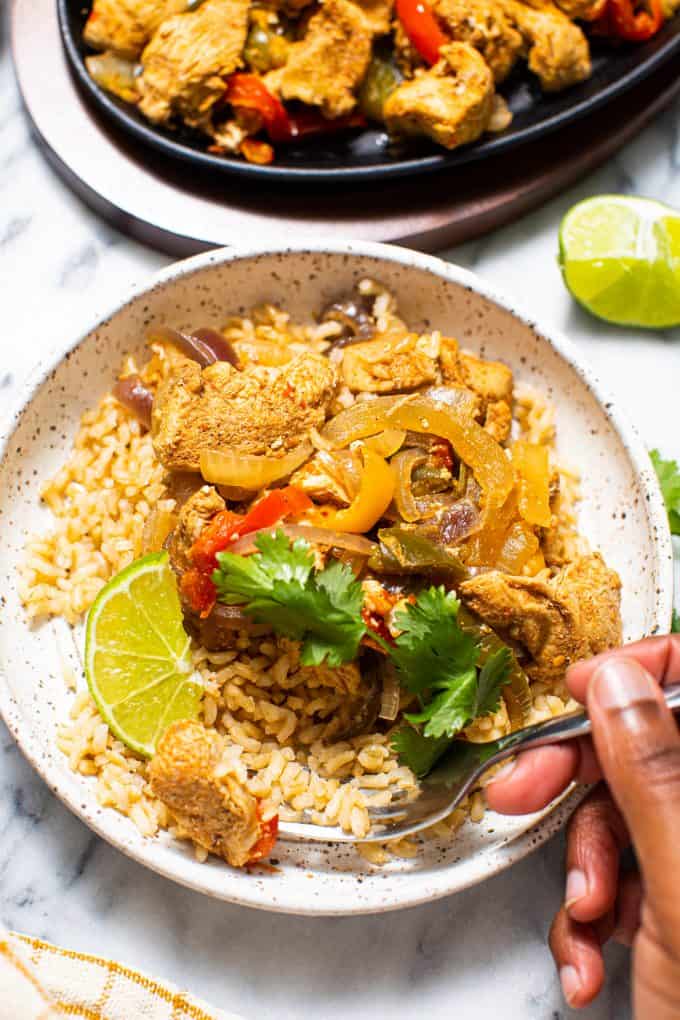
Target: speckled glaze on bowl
(622,514)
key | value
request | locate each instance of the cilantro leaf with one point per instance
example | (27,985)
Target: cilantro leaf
(419,753)
(451,708)
(465,698)
(668,473)
(675,623)
(493,675)
(432,649)
(278,586)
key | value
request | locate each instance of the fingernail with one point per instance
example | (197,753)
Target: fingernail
(621,683)
(576,888)
(505,771)
(571,983)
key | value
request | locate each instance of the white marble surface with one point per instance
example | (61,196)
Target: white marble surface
(479,955)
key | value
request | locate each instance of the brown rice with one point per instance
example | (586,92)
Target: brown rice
(280,729)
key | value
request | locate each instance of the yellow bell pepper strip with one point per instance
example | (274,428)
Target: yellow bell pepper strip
(533,470)
(474,446)
(376,490)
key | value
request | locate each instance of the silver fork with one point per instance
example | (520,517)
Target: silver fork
(451,779)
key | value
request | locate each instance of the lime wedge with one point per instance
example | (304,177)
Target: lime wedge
(137,659)
(620,258)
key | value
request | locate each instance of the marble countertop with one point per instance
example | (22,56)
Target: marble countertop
(463,956)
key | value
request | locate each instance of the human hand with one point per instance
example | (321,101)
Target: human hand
(636,749)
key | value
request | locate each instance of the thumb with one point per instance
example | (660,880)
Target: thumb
(638,747)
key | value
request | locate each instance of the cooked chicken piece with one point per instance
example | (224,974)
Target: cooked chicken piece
(492,381)
(188,58)
(198,511)
(582,10)
(125,26)
(378,13)
(407,58)
(558,50)
(572,616)
(211,806)
(450,103)
(484,25)
(255,411)
(327,66)
(391,364)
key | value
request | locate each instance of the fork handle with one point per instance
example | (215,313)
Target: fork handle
(567,727)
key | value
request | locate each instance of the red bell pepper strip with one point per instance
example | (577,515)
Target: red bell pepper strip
(269,831)
(422,28)
(279,503)
(311,122)
(225,527)
(199,591)
(630,20)
(248,92)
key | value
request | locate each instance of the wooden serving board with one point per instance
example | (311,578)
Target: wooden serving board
(180,211)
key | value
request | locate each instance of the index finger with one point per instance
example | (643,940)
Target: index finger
(660,656)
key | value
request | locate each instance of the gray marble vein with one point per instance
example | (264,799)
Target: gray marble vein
(479,955)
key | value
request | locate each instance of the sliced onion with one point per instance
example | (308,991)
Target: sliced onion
(115,74)
(387,442)
(133,394)
(206,346)
(250,471)
(158,527)
(364,418)
(216,343)
(404,465)
(391,693)
(315,536)
(354,316)
(459,521)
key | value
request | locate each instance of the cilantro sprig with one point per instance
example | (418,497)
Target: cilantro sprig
(435,658)
(668,473)
(278,586)
(438,661)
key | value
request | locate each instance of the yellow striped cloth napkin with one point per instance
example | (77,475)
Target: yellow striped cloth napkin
(39,981)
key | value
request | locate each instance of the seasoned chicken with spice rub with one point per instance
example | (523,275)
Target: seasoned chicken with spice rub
(125,26)
(554,622)
(483,24)
(255,411)
(210,804)
(252,77)
(558,51)
(185,64)
(329,63)
(451,103)
(492,381)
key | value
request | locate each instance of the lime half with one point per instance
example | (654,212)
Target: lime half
(137,660)
(620,258)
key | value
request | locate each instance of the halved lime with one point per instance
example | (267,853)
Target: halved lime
(137,660)
(620,258)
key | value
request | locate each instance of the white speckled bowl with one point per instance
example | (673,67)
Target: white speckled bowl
(622,514)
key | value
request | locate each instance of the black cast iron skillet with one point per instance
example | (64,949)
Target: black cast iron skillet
(369,155)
